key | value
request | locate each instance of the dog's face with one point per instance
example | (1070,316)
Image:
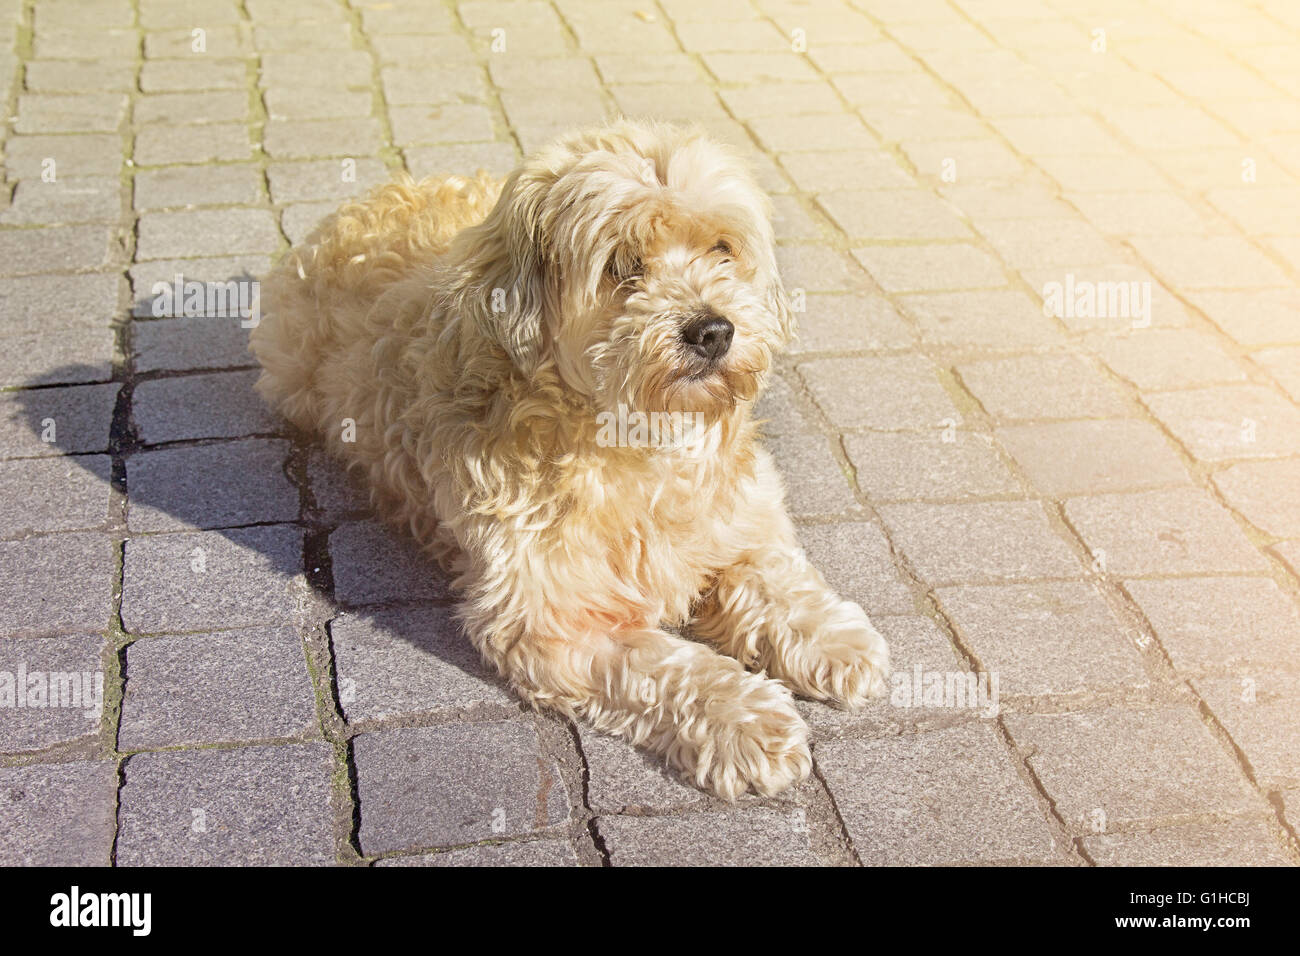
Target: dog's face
(643,269)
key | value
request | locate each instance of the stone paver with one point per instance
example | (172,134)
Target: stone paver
(1162,532)
(756,836)
(1119,766)
(1070,458)
(1264,492)
(374,564)
(184,344)
(987,541)
(624,778)
(1213,623)
(57,584)
(896,797)
(1042,419)
(1239,843)
(217,405)
(57,814)
(887,392)
(528,853)
(455,784)
(210,486)
(56,421)
(409,660)
(1042,386)
(211,688)
(54,494)
(52,691)
(1243,421)
(940,465)
(188,582)
(1261,713)
(1044,638)
(267,806)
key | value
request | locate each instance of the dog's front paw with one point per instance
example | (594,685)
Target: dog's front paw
(845,662)
(757,740)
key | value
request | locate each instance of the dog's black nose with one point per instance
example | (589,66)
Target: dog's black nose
(709,335)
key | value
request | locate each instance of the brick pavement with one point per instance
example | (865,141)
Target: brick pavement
(1090,497)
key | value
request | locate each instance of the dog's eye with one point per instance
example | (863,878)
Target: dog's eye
(722,248)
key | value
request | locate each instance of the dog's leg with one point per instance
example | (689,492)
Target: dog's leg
(725,728)
(772,610)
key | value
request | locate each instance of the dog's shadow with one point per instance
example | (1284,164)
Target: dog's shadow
(231,516)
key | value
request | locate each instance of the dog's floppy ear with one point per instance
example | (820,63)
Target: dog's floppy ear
(506,287)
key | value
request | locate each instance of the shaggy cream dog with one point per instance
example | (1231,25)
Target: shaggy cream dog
(462,340)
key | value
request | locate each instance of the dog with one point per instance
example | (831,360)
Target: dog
(457,340)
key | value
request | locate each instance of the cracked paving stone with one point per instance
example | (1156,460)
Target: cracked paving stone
(212,688)
(454,784)
(251,806)
(945,796)
(57,814)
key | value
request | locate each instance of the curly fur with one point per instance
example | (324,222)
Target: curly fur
(473,330)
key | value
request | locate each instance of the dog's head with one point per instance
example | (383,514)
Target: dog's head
(638,261)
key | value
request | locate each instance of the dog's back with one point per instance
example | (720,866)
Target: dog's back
(318,300)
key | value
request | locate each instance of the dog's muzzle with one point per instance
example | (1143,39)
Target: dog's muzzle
(708,335)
